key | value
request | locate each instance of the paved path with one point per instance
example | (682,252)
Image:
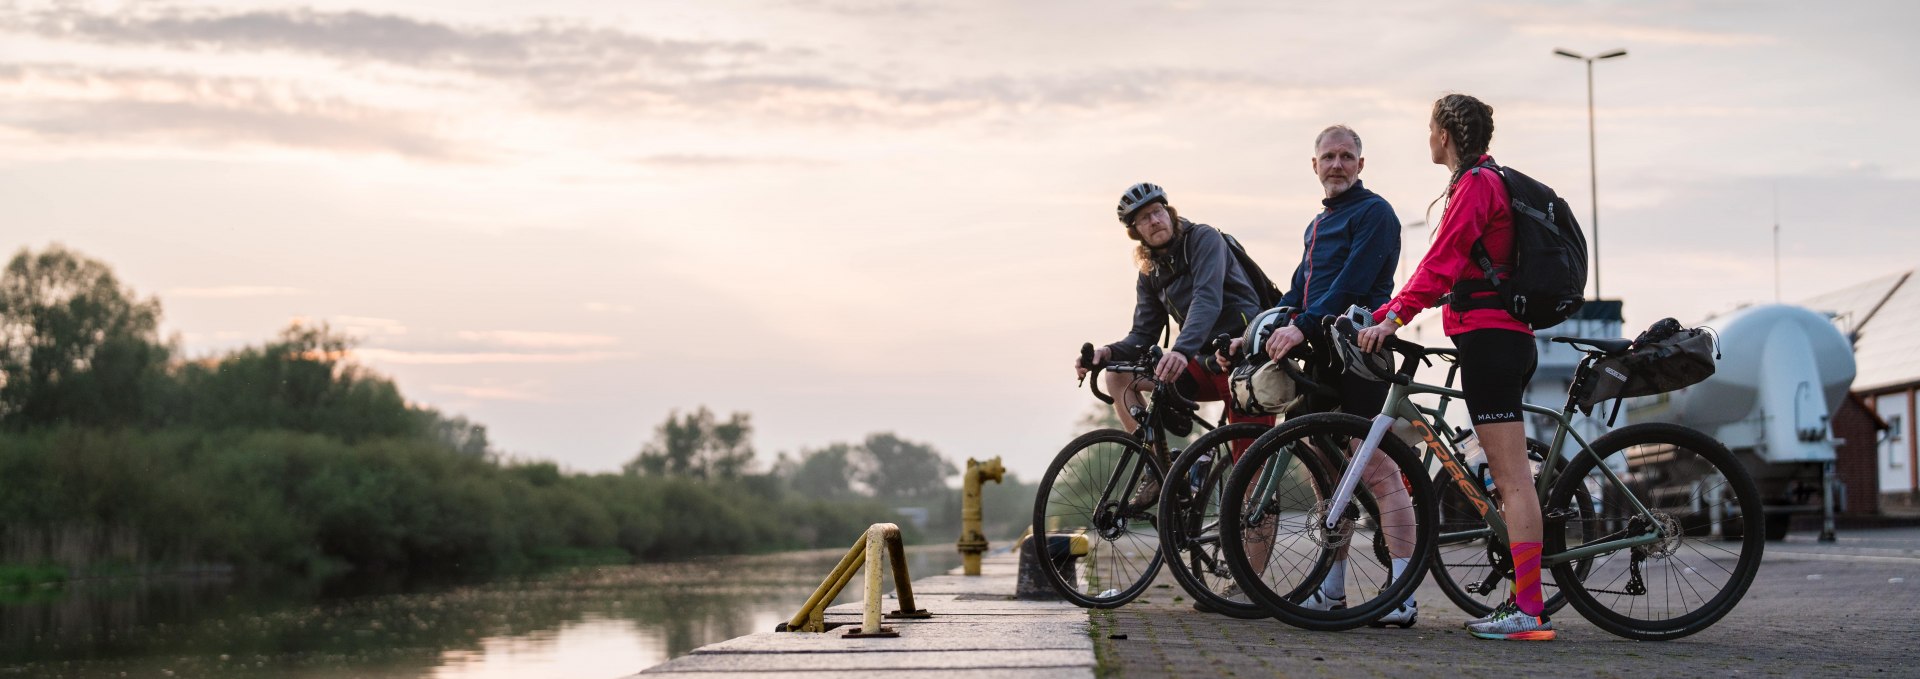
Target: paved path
(1850,608)
(978,630)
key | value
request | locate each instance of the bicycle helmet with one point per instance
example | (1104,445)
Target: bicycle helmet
(1376,366)
(1139,196)
(1253,343)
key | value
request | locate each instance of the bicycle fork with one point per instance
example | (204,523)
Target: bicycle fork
(1343,494)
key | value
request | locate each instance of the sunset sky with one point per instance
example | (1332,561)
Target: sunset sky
(567,219)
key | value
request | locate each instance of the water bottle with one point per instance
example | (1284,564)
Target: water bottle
(1475,458)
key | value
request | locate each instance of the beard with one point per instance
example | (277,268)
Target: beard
(1337,185)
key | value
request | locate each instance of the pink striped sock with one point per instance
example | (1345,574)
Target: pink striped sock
(1526,578)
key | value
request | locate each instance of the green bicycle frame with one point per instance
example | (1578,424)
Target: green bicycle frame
(1440,449)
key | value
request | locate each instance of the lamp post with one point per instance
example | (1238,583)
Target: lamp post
(1593,172)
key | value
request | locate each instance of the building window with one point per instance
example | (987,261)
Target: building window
(1896,453)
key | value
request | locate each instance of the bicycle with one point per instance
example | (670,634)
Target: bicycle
(1087,492)
(1190,507)
(1643,498)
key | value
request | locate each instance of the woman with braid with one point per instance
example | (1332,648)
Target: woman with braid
(1497,354)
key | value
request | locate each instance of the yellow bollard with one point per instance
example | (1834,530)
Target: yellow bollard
(972,540)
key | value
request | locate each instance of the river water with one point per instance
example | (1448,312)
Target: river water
(575,623)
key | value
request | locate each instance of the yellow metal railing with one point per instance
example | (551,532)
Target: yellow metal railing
(879,545)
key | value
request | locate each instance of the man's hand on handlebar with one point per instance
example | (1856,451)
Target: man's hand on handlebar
(1100,355)
(1375,336)
(1170,367)
(1283,341)
(1225,356)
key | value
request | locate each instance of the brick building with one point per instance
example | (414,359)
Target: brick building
(1882,318)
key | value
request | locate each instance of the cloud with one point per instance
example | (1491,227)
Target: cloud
(570,67)
(488,393)
(607,308)
(537,340)
(545,48)
(401,357)
(235,292)
(367,326)
(65,102)
(1631,33)
(696,161)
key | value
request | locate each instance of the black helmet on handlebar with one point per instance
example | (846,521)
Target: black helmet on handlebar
(1376,366)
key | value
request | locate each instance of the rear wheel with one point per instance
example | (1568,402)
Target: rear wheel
(1701,504)
(1190,520)
(1102,551)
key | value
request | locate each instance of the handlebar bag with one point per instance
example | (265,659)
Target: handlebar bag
(1264,389)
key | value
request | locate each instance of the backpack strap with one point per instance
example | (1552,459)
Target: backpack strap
(1462,297)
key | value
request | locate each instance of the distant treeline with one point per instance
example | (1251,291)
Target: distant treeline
(115,454)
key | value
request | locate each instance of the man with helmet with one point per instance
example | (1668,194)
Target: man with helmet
(1185,271)
(1351,247)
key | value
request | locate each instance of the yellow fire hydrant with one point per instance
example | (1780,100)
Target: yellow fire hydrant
(972,541)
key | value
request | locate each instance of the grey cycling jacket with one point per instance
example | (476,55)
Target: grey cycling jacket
(1199,283)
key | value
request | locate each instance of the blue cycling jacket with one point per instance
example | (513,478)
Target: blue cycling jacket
(1351,248)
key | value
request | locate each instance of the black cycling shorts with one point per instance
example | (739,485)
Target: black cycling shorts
(1495,366)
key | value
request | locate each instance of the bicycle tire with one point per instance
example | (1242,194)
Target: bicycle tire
(1695,473)
(1473,567)
(1085,492)
(1190,517)
(1303,534)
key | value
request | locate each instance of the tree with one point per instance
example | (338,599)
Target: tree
(302,381)
(901,468)
(697,445)
(823,473)
(76,346)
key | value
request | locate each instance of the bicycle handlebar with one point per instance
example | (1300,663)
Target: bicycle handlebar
(1413,354)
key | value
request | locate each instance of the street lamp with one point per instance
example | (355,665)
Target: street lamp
(1593,172)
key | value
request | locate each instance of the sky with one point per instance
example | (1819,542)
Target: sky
(568,219)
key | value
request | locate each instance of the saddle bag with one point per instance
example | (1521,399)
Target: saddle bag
(1664,358)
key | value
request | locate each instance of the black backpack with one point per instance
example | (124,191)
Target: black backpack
(1548,280)
(1264,291)
(1263,287)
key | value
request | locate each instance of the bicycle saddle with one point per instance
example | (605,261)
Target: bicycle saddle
(1605,346)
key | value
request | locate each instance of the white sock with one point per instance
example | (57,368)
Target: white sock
(1335,585)
(1400,567)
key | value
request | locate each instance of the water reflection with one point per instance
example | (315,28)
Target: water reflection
(590,622)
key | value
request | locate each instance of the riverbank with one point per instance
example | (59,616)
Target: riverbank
(977,629)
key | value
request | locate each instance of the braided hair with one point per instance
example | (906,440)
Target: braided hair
(1469,123)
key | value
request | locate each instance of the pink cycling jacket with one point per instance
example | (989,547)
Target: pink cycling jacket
(1478,211)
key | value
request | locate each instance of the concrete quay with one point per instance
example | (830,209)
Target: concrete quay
(977,630)
(1850,608)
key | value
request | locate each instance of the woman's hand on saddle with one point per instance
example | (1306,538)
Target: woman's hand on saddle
(1100,355)
(1171,366)
(1375,336)
(1283,341)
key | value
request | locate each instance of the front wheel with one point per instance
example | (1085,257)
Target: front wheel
(1275,528)
(1101,547)
(1702,506)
